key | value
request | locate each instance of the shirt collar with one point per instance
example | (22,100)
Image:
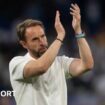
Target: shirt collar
(29,56)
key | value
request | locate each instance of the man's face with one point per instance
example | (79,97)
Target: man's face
(36,41)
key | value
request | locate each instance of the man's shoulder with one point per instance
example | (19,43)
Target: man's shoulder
(64,58)
(16,60)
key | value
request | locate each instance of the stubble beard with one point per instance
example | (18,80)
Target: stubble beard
(38,54)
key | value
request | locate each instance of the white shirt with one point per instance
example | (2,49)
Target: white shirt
(47,89)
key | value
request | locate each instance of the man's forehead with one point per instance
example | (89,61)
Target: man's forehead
(36,28)
(35,31)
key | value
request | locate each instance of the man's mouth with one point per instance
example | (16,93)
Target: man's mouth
(43,49)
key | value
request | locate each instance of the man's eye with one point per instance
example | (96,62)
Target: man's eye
(35,39)
(43,36)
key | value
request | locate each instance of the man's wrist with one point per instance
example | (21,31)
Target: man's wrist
(78,31)
(59,40)
(81,35)
(61,36)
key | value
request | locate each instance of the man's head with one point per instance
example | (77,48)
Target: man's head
(32,37)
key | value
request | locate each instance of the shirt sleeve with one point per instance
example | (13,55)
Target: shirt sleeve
(66,61)
(16,67)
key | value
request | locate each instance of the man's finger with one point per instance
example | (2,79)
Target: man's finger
(75,7)
(57,16)
(75,11)
(74,15)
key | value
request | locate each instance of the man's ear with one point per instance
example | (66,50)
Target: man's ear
(24,44)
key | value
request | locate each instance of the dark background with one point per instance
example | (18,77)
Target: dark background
(87,89)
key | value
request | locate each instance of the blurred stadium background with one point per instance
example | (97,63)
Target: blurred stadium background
(87,89)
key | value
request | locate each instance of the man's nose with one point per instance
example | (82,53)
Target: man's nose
(41,41)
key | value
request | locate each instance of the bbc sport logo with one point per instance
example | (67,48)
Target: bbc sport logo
(8,93)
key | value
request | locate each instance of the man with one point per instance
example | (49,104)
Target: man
(38,78)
